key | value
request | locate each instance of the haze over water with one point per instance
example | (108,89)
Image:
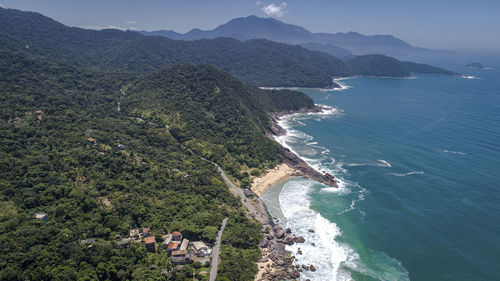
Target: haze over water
(419,162)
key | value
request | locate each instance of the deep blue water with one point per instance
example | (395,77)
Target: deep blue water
(420,164)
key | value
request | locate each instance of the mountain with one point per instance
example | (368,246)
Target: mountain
(378,65)
(329,49)
(253,27)
(414,67)
(258,62)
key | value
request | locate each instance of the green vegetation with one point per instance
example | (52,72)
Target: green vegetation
(60,86)
(414,67)
(257,62)
(377,65)
(99,191)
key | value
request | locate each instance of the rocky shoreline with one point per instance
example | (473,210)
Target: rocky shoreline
(277,263)
(291,158)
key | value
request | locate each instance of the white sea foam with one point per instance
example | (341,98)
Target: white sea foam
(470,77)
(320,249)
(383,163)
(341,84)
(406,174)
(379,163)
(454,152)
(331,258)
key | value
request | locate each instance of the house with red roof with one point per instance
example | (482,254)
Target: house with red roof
(150,244)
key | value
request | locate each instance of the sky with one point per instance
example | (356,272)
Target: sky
(438,24)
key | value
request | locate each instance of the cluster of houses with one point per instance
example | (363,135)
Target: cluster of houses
(178,248)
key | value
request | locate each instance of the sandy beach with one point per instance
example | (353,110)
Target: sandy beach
(272,177)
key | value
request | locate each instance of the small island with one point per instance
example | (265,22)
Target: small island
(475,65)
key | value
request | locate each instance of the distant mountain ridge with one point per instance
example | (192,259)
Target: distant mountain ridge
(258,62)
(253,27)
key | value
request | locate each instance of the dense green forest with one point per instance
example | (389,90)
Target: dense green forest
(60,86)
(99,191)
(257,62)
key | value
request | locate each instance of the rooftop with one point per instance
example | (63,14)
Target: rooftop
(173,245)
(150,240)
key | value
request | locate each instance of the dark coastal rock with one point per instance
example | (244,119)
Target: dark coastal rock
(280,262)
(305,267)
(294,161)
(299,252)
(329,176)
(270,237)
(264,243)
(288,231)
(288,240)
(299,239)
(265,259)
(279,232)
(312,230)
(312,268)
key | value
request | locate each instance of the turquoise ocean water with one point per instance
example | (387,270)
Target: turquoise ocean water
(419,165)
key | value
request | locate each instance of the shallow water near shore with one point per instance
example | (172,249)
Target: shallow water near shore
(419,164)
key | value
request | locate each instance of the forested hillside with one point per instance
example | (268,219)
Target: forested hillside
(257,62)
(98,191)
(213,114)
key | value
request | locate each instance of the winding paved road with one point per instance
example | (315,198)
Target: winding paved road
(216,252)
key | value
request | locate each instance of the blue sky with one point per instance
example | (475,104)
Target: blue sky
(445,24)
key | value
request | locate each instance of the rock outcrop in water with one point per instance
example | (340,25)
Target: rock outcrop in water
(291,158)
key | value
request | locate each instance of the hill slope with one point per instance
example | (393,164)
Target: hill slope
(97,191)
(258,62)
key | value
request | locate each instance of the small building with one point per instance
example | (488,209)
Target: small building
(201,249)
(176,236)
(180,257)
(121,146)
(91,141)
(150,244)
(184,245)
(146,232)
(172,247)
(166,240)
(41,216)
(134,233)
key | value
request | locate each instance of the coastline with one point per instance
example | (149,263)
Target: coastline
(273,176)
(276,262)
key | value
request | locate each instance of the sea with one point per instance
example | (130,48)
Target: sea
(418,164)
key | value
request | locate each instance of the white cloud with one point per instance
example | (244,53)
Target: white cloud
(274,10)
(97,27)
(130,22)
